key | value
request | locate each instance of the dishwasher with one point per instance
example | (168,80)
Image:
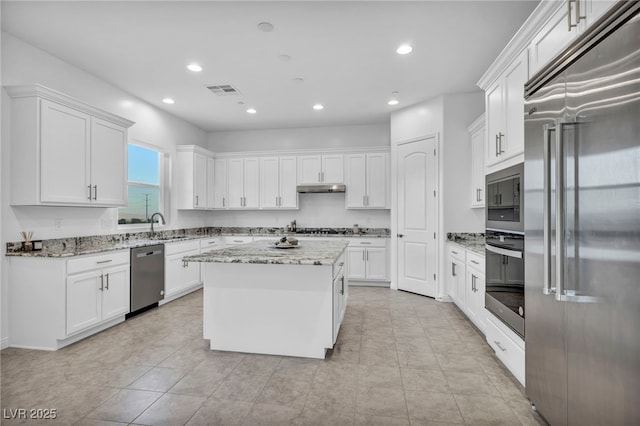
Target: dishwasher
(147,277)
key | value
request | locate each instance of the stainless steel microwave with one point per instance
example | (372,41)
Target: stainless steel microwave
(504,201)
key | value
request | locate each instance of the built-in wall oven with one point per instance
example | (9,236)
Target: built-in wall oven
(504,247)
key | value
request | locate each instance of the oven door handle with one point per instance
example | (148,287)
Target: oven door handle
(511,253)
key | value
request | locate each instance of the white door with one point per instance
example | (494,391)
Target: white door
(220,184)
(115,294)
(332,168)
(417,208)
(64,155)
(288,182)
(377,180)
(376,263)
(356,180)
(251,183)
(269,182)
(108,163)
(84,300)
(235,184)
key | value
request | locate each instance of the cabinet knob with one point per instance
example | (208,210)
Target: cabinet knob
(400,235)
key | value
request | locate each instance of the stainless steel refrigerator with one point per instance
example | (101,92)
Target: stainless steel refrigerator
(582,228)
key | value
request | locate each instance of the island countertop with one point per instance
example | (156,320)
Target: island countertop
(265,252)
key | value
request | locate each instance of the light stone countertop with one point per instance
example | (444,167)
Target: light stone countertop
(264,252)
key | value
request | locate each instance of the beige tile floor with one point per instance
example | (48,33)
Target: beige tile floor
(400,359)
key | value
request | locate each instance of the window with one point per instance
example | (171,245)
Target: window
(144,185)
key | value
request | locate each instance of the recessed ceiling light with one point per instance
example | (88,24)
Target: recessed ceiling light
(403,49)
(194,67)
(265,27)
(251,111)
(168,101)
(318,107)
(393,102)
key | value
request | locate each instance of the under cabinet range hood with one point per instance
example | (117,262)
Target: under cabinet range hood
(320,188)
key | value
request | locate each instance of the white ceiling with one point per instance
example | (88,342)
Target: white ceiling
(344,51)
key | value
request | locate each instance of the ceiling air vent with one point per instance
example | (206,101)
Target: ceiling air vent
(223,90)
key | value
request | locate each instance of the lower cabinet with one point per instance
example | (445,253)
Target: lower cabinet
(508,346)
(466,283)
(340,295)
(368,260)
(179,276)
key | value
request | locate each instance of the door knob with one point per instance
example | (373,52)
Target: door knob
(400,235)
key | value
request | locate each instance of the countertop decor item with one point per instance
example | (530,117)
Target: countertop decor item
(26,244)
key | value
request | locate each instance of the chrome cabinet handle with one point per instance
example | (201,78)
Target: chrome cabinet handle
(89,186)
(473,261)
(342,289)
(341,264)
(579,16)
(363,259)
(101,282)
(497,146)
(400,235)
(499,345)
(319,178)
(364,242)
(454,252)
(197,200)
(364,200)
(223,201)
(500,136)
(367,255)
(95,192)
(107,286)
(453,269)
(104,261)
(185,264)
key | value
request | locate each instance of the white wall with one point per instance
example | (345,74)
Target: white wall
(316,210)
(300,138)
(25,64)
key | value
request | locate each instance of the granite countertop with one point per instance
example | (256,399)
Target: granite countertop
(264,252)
(469,241)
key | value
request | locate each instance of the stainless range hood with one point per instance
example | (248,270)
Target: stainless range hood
(320,188)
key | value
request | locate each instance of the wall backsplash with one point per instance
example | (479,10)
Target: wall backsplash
(316,210)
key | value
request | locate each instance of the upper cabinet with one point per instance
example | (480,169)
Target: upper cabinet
(194,177)
(220,183)
(65,152)
(243,183)
(367,180)
(320,169)
(477,134)
(505,116)
(278,183)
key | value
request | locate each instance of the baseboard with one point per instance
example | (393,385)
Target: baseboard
(4,343)
(385,284)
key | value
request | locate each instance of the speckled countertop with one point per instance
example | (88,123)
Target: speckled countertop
(470,241)
(265,252)
(77,246)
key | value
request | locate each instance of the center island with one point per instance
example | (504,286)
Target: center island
(267,300)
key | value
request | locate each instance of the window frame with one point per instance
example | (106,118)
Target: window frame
(163,186)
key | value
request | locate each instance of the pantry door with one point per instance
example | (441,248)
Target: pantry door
(417,172)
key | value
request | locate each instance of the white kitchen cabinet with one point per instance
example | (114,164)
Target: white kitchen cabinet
(278,180)
(368,260)
(456,275)
(475,290)
(243,183)
(367,180)
(508,346)
(220,184)
(505,113)
(477,135)
(65,152)
(193,177)
(316,169)
(340,295)
(211,183)
(180,277)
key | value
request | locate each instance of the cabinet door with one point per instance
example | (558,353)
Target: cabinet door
(190,272)
(514,80)
(594,9)
(309,168)
(269,182)
(475,298)
(356,180)
(115,294)
(84,300)
(220,184)
(172,274)
(458,273)
(554,35)
(211,183)
(199,181)
(332,168)
(251,183)
(495,120)
(235,184)
(452,287)
(356,263)
(376,268)
(377,180)
(64,155)
(108,163)
(477,168)
(288,183)
(339,292)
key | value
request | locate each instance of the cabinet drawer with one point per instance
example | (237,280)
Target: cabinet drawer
(233,240)
(367,242)
(211,243)
(182,246)
(457,252)
(505,347)
(475,261)
(88,263)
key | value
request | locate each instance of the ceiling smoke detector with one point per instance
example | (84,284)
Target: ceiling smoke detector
(223,90)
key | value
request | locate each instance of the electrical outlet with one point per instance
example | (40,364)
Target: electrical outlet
(57,223)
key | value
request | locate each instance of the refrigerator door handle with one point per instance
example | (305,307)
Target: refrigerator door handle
(546,239)
(504,252)
(560,210)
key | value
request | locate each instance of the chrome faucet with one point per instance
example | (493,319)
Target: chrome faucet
(161,218)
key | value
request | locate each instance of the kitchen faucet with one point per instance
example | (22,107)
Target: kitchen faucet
(161,218)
